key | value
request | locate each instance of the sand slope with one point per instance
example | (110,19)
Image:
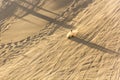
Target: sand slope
(46,54)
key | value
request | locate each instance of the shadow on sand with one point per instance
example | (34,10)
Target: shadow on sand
(40,8)
(8,11)
(34,13)
(93,45)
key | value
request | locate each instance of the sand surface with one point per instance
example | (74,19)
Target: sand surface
(33,43)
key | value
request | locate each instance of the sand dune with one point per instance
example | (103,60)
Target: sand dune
(34,45)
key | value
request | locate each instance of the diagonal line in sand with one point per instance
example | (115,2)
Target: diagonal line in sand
(93,45)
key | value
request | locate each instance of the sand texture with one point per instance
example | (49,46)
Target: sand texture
(34,46)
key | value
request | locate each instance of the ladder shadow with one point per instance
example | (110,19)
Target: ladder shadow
(51,20)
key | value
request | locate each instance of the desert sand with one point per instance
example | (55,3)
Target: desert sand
(34,46)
